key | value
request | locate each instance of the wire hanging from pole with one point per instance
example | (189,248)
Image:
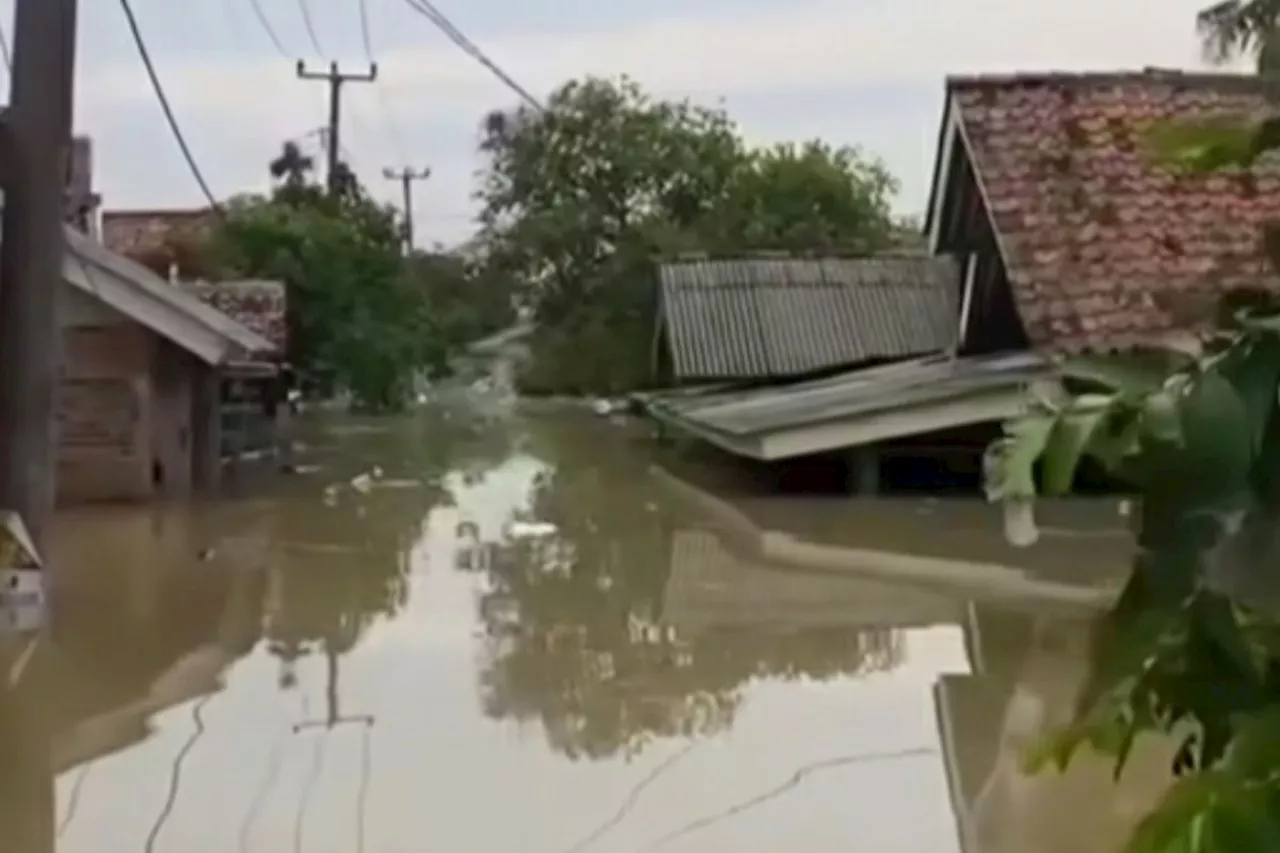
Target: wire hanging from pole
(158,88)
(310,26)
(261,15)
(429,11)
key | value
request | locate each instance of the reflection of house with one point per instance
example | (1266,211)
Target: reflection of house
(986,724)
(143,361)
(142,627)
(711,587)
(956,548)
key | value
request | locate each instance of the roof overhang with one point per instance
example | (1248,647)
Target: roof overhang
(145,298)
(845,423)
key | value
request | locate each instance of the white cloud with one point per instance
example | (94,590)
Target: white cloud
(439,94)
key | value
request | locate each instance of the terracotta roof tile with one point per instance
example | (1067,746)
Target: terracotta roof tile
(1105,248)
(132,232)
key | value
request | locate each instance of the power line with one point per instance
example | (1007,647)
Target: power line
(455,35)
(172,120)
(4,49)
(364,30)
(311,26)
(261,15)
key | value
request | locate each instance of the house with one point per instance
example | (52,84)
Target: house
(1073,238)
(145,233)
(1070,237)
(810,356)
(143,361)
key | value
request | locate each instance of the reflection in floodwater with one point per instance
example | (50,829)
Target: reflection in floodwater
(517,635)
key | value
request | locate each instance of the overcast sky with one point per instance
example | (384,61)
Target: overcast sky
(865,72)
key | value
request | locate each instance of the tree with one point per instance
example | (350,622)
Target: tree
(579,197)
(358,318)
(1235,28)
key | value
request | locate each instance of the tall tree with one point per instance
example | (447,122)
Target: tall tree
(580,197)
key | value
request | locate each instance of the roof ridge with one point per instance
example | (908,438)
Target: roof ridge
(1151,74)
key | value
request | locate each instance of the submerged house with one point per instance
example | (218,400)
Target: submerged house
(812,356)
(139,402)
(1069,237)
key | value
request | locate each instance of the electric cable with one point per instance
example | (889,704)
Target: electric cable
(261,15)
(311,26)
(268,782)
(364,30)
(384,103)
(73,804)
(4,49)
(309,786)
(429,11)
(158,88)
(778,790)
(175,776)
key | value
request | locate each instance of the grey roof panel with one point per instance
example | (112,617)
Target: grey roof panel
(762,318)
(759,410)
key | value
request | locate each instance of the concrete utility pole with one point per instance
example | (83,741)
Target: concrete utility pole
(35,143)
(406,177)
(335,78)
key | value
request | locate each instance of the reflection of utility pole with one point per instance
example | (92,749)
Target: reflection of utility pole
(335,78)
(334,717)
(36,137)
(406,177)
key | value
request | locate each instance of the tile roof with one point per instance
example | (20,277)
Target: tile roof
(762,318)
(135,232)
(259,305)
(1106,249)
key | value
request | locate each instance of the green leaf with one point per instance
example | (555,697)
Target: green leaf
(1133,374)
(1217,434)
(1015,456)
(1252,366)
(1255,751)
(1242,823)
(1069,438)
(1173,824)
(1161,418)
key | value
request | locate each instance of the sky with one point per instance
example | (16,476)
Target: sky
(859,72)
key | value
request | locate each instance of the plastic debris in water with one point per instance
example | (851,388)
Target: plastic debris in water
(362,483)
(530,529)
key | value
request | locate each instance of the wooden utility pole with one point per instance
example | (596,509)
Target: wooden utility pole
(36,143)
(335,78)
(406,177)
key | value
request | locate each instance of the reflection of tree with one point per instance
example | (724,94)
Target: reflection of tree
(342,565)
(574,619)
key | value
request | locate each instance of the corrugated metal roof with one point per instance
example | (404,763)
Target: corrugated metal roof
(764,318)
(854,393)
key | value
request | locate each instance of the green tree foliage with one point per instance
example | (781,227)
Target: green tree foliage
(579,198)
(361,316)
(1192,648)
(1236,28)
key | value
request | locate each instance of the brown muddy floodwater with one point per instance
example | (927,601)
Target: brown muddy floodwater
(515,636)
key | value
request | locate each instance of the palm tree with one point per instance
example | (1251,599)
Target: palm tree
(1235,28)
(292,167)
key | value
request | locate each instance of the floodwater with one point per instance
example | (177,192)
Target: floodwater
(515,636)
